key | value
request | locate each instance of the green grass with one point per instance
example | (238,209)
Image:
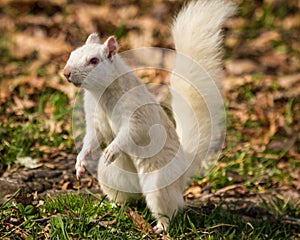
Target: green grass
(77,216)
(33,129)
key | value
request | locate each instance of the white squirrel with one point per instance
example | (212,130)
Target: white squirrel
(151,157)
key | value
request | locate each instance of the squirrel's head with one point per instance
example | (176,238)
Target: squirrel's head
(84,59)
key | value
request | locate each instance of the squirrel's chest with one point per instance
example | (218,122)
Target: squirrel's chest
(103,125)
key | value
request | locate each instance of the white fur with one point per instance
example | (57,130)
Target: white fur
(142,143)
(197,36)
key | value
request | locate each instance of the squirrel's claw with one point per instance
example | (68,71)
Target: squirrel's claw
(111,153)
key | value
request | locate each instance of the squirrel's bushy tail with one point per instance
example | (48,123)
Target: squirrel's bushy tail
(197,104)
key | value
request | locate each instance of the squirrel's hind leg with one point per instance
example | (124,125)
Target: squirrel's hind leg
(119,180)
(164,204)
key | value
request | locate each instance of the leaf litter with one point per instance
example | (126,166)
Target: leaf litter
(261,86)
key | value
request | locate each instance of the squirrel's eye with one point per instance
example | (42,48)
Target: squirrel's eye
(94,61)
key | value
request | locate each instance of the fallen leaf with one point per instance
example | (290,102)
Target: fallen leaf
(49,165)
(90,182)
(65,186)
(193,192)
(28,162)
(89,16)
(283,144)
(24,44)
(241,66)
(7,86)
(141,224)
(264,41)
(290,22)
(63,86)
(49,2)
(274,60)
(21,104)
(289,81)
(107,224)
(231,83)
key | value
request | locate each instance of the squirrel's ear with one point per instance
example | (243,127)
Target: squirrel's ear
(92,38)
(111,46)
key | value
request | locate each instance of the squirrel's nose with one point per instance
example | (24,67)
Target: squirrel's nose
(67,73)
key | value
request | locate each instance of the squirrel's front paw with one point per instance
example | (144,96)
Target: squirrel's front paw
(80,168)
(80,165)
(111,153)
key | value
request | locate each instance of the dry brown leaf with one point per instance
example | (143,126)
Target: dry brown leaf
(128,12)
(92,17)
(7,23)
(264,104)
(21,104)
(289,81)
(35,20)
(193,192)
(266,111)
(24,44)
(241,66)
(47,149)
(90,183)
(49,110)
(65,186)
(240,115)
(274,60)
(64,86)
(49,2)
(231,83)
(141,224)
(290,22)
(264,42)
(107,224)
(282,144)
(89,17)
(235,23)
(8,85)
(49,165)
(296,183)
(145,37)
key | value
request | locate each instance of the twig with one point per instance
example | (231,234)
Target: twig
(222,225)
(291,220)
(43,219)
(221,191)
